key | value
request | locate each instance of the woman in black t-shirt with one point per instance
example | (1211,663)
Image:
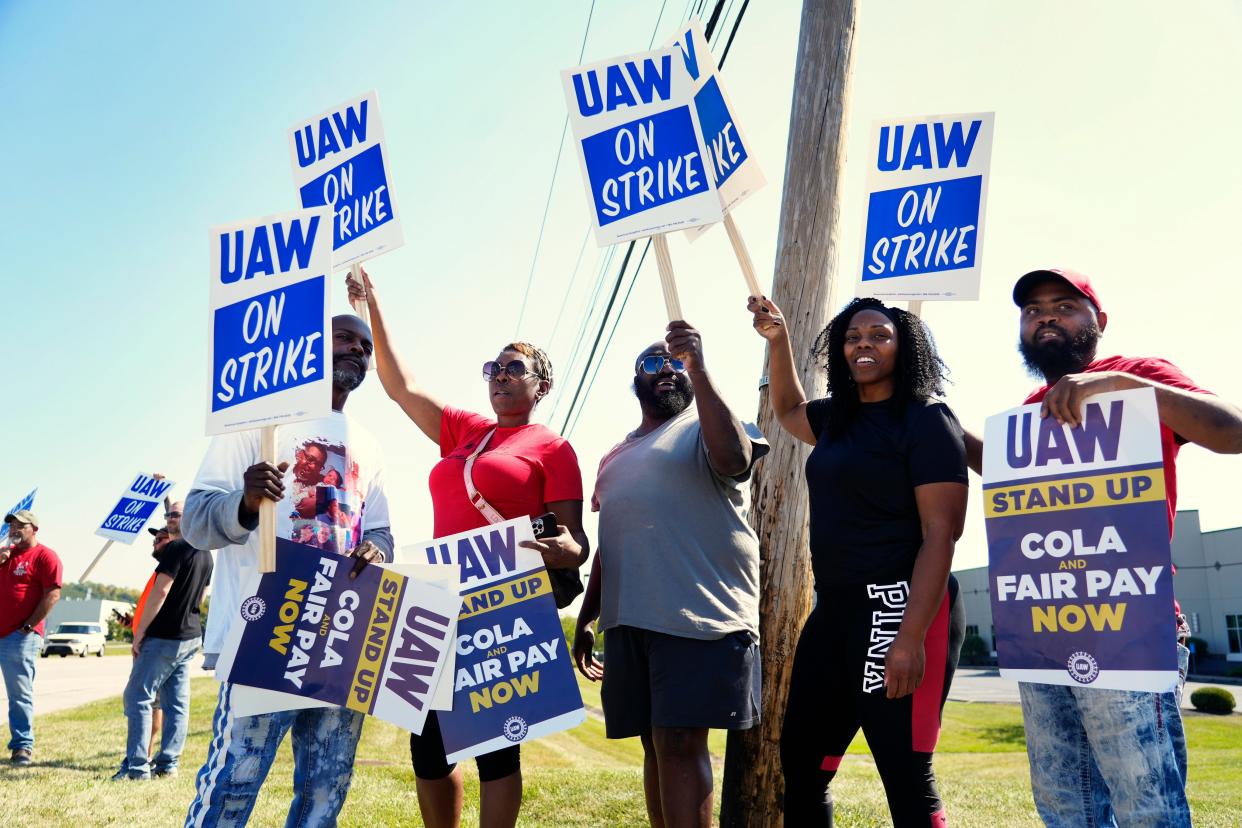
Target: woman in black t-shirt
(887,488)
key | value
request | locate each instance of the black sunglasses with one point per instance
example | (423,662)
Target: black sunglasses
(655,364)
(172,514)
(515,369)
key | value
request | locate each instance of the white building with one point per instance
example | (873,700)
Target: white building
(1208,584)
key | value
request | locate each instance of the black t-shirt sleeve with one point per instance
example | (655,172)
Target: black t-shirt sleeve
(170,559)
(937,447)
(817,415)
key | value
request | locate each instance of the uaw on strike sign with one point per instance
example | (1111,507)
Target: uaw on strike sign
(1078,546)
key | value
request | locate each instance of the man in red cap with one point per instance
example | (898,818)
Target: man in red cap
(1103,757)
(29,586)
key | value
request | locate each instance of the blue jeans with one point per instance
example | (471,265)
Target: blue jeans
(18,651)
(242,750)
(162,668)
(1104,757)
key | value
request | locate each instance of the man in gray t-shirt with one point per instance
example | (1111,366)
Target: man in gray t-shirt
(675,582)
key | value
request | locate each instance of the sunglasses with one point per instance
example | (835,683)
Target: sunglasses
(171,514)
(515,369)
(655,364)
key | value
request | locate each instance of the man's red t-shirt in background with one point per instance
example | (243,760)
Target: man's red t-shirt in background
(24,578)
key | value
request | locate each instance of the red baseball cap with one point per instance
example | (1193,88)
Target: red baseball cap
(1073,278)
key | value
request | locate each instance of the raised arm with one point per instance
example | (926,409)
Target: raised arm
(785,393)
(1203,419)
(728,447)
(424,409)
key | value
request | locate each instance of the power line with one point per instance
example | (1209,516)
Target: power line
(629,250)
(568,290)
(709,30)
(607,343)
(560,147)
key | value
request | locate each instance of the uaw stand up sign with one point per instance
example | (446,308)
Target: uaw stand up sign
(1078,546)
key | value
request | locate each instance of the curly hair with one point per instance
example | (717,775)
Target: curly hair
(920,373)
(541,367)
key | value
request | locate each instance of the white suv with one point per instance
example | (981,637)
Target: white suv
(80,638)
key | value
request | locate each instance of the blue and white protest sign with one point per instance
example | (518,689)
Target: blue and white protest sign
(26,502)
(514,678)
(1078,546)
(270,329)
(639,145)
(340,161)
(927,188)
(731,165)
(376,644)
(134,508)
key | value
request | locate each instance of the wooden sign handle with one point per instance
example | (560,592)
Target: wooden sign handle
(95,562)
(360,305)
(667,284)
(916,308)
(743,256)
(267,508)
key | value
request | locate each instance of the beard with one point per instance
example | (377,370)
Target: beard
(667,403)
(1067,355)
(347,374)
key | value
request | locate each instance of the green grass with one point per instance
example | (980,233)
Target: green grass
(574,778)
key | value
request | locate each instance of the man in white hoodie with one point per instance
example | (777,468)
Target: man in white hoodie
(221,512)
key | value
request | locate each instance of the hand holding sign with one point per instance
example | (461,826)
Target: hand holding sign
(1064,401)
(769,321)
(263,481)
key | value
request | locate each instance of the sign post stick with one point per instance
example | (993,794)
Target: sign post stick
(665,263)
(91,568)
(267,508)
(360,305)
(743,255)
(916,308)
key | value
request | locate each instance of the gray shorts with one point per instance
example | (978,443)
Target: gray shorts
(653,679)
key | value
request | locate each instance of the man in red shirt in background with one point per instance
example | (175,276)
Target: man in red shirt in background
(1103,757)
(30,576)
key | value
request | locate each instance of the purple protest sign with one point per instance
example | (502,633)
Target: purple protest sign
(1078,546)
(376,644)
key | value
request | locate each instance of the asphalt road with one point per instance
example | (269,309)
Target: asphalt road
(61,683)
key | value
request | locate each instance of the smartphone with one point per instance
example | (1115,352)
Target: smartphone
(545,525)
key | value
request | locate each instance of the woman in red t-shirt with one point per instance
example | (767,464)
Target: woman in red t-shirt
(524,469)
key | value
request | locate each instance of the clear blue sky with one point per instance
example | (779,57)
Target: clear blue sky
(132,129)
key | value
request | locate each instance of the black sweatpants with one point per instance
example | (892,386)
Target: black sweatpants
(838,686)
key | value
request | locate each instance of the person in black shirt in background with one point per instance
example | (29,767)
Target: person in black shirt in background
(166,638)
(887,487)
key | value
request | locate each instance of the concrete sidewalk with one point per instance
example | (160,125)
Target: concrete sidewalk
(61,683)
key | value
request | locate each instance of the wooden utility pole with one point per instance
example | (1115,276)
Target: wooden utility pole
(806,258)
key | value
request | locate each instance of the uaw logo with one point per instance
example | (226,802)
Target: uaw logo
(1083,668)
(515,728)
(252,608)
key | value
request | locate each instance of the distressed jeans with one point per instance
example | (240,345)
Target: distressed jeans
(162,668)
(1103,758)
(241,752)
(18,651)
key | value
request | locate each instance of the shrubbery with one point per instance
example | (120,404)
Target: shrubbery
(974,651)
(1213,700)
